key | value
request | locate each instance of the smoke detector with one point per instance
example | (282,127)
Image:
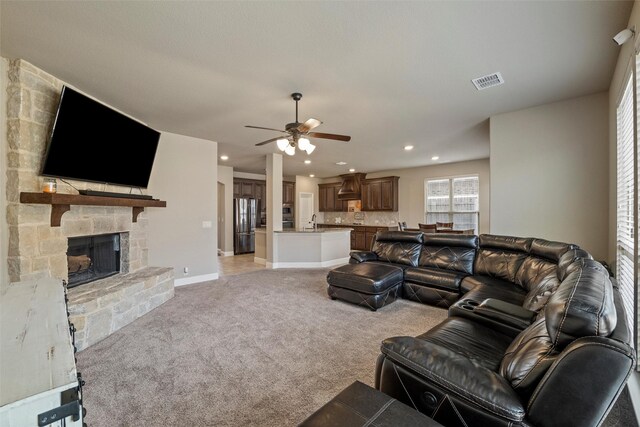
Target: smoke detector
(490,80)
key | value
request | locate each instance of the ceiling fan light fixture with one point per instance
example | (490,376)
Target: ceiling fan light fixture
(283,143)
(303,143)
(310,148)
(290,150)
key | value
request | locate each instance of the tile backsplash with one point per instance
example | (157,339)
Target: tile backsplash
(370,218)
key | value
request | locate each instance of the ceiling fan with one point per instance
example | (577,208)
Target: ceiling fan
(298,134)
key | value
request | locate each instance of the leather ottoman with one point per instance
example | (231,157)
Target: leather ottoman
(367,284)
(360,405)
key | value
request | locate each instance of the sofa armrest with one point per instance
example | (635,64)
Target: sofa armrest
(506,313)
(456,374)
(582,384)
(362,256)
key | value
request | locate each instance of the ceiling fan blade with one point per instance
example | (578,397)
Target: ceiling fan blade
(329,136)
(268,141)
(258,127)
(309,125)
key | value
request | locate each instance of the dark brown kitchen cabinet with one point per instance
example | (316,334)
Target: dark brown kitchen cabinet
(259,191)
(246,189)
(236,189)
(380,194)
(361,236)
(328,198)
(288,193)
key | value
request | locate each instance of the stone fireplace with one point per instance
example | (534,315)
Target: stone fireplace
(37,249)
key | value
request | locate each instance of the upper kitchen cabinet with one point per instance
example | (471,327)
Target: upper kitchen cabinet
(288,193)
(380,194)
(328,198)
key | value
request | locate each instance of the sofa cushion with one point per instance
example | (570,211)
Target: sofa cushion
(398,247)
(478,343)
(483,287)
(568,259)
(499,263)
(367,277)
(449,252)
(508,243)
(582,305)
(549,250)
(528,358)
(434,278)
(539,277)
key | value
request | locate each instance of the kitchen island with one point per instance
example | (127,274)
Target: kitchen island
(324,247)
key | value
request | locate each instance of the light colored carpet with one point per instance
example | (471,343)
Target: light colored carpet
(264,348)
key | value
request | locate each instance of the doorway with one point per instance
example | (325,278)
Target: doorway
(306,209)
(221,219)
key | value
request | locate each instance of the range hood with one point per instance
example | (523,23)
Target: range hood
(350,188)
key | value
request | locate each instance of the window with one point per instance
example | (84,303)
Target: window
(453,200)
(626,239)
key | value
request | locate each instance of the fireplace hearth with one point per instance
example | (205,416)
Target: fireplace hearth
(91,258)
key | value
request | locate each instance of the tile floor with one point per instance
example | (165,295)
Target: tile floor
(232,265)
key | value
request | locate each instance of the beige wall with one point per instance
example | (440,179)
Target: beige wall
(4,230)
(411,202)
(225,176)
(549,173)
(185,175)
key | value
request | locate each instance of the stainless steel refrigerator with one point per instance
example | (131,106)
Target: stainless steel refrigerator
(245,217)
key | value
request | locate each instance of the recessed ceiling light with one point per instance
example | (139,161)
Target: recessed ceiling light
(306,162)
(224,157)
(435,158)
(311,176)
(408,147)
(352,170)
(341,163)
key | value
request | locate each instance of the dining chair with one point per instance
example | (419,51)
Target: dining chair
(427,228)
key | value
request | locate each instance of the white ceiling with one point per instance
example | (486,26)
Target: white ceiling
(386,73)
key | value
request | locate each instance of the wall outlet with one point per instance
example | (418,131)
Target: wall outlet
(186,271)
(206,224)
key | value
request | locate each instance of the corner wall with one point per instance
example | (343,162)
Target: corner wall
(225,176)
(184,234)
(550,172)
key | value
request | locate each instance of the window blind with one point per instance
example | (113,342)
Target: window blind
(626,177)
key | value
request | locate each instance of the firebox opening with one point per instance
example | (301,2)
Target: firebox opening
(91,258)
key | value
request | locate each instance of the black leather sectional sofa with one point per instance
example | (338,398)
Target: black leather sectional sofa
(536,333)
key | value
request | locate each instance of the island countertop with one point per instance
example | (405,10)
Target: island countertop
(319,230)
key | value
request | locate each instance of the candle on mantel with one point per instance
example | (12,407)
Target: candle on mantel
(49,185)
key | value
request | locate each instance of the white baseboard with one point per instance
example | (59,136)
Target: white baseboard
(223,253)
(319,264)
(634,392)
(260,261)
(195,279)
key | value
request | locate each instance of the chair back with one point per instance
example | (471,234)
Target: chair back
(427,228)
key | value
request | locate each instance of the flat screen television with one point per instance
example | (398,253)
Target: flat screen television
(92,142)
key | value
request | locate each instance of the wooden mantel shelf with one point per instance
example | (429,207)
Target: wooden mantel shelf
(61,203)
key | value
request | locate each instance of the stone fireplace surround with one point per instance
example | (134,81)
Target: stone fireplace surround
(36,249)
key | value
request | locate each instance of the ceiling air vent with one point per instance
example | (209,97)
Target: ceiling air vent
(489,80)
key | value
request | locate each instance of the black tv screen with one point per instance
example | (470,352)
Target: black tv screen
(92,142)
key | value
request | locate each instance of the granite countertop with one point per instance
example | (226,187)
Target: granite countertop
(320,230)
(350,224)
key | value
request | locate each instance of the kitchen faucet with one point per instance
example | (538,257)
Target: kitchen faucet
(313,219)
